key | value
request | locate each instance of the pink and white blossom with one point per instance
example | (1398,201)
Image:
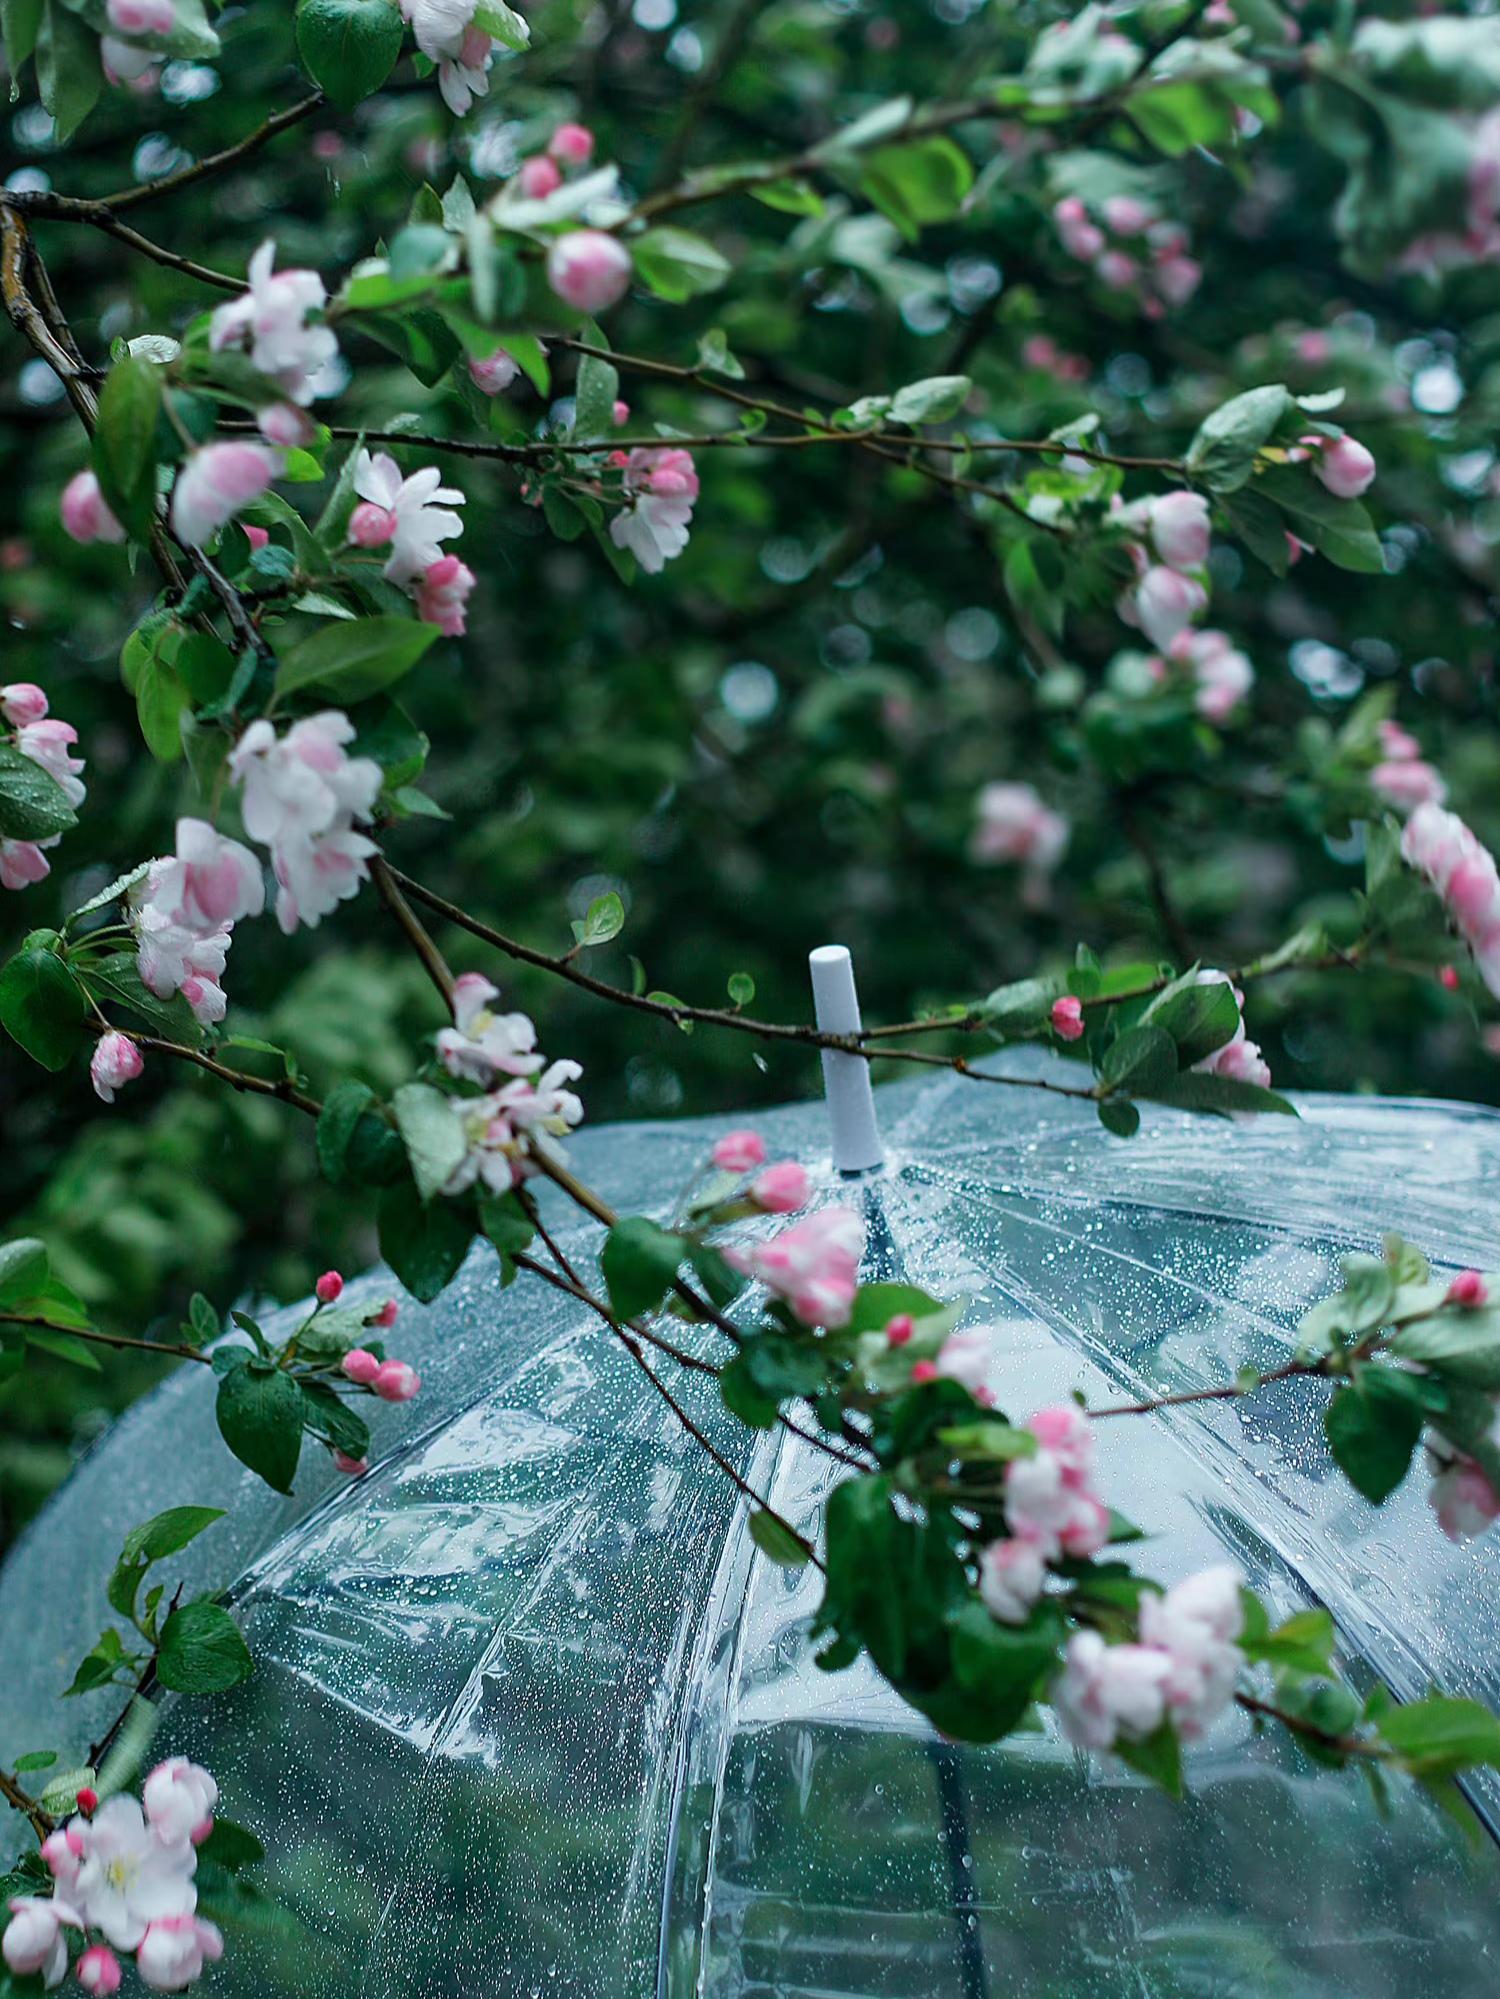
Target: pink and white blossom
(493,373)
(50,744)
(1239,1058)
(739,1151)
(538,177)
(660,488)
(1011,1576)
(1345,467)
(1163,604)
(217,482)
(420,510)
(174,1950)
(396,1381)
(178,1798)
(1066,1018)
(305,782)
(360,1365)
(85,513)
(285,425)
(1463,1499)
(34,1940)
(314,876)
(573,145)
(1196,1624)
(22,701)
(813,1265)
(782,1189)
(483,1044)
(274,322)
(1222,674)
(99,1970)
(443,594)
(967,1356)
(1015,825)
(1108,1691)
(211,882)
(589,270)
(1407,782)
(1443,849)
(22,863)
(130,1877)
(1180,529)
(116,1061)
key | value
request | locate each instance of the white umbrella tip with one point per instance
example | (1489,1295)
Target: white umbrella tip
(846,1078)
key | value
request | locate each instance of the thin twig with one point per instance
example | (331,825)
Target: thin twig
(163,1349)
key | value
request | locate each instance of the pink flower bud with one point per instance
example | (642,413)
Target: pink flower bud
(286,425)
(589,270)
(1448,978)
(257,537)
(572,145)
(1067,1018)
(386,1316)
(620,414)
(22,702)
(371,526)
(116,1061)
(740,1151)
(88,1800)
(1345,467)
(396,1381)
(1117,270)
(99,1970)
(898,1330)
(781,1189)
(443,594)
(350,1467)
(84,514)
(1180,530)
(924,1371)
(493,372)
(1127,216)
(1468,1289)
(216,483)
(360,1365)
(538,178)
(328,1288)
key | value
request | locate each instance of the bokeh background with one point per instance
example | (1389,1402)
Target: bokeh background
(781,739)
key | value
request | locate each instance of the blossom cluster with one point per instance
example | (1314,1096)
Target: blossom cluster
(659,487)
(300,796)
(1443,849)
(510,1121)
(813,1265)
(48,743)
(1476,240)
(412,516)
(1182,1670)
(123,1869)
(1132,249)
(1220,675)
(1168,546)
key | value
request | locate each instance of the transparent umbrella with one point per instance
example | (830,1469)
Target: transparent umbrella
(531,1716)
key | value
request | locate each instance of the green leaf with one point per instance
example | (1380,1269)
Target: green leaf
(201,1650)
(509,1227)
(504,23)
(424,1244)
(639,1262)
(42,1007)
(164,1534)
(35,1759)
(594,396)
(604,919)
(348,47)
(259,1411)
(923,181)
(677,265)
(1207,1092)
(24,1268)
(1337,529)
(934,400)
(354,661)
(1119,1117)
(1158,1757)
(125,441)
(1222,455)
(1142,1061)
(232,1846)
(68,75)
(1440,1736)
(96,1669)
(33,805)
(1199,1017)
(1373,1428)
(161,700)
(433,1134)
(776,1540)
(19,21)
(1462,1344)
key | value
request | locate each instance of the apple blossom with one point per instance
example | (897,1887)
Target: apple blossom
(129,1876)
(257,537)
(781,1189)
(87,1799)
(34,1940)
(573,145)
(22,701)
(285,425)
(1345,467)
(538,177)
(482,1044)
(386,1316)
(396,1381)
(1239,1058)
(85,514)
(329,1288)
(1468,1289)
(1463,1499)
(116,1061)
(1011,1575)
(305,782)
(1049,1503)
(174,1950)
(314,876)
(360,1365)
(217,482)
(178,1798)
(1163,604)
(63,1851)
(211,882)
(273,321)
(1195,1625)
(447,35)
(1080,237)
(1066,1018)
(126,62)
(49,743)
(1406,782)
(813,1265)
(371,526)
(1014,825)
(1222,674)
(443,593)
(1126,215)
(420,507)
(98,1970)
(739,1151)
(502,1129)
(494,372)
(1442,848)
(589,270)
(967,1356)
(1180,529)
(1107,1691)
(899,1328)
(1398,743)
(660,487)
(1177,278)
(23,863)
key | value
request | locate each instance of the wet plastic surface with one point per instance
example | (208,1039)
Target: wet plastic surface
(530,1719)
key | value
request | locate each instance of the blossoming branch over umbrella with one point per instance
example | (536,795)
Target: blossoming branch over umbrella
(542,1617)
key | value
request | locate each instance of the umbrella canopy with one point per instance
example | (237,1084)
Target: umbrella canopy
(531,1717)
